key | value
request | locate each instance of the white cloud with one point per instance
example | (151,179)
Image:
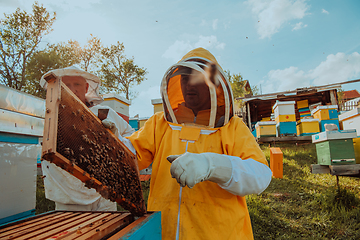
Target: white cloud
(336,68)
(324,11)
(215,23)
(286,79)
(298,26)
(272,15)
(177,50)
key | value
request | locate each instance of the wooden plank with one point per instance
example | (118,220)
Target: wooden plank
(147,227)
(53,228)
(27,222)
(128,228)
(51,114)
(100,231)
(32,225)
(338,170)
(345,170)
(319,169)
(285,139)
(79,229)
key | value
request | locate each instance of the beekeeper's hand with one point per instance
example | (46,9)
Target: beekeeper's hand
(109,125)
(191,168)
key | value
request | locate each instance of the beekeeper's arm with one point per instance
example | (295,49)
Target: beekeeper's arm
(116,124)
(237,176)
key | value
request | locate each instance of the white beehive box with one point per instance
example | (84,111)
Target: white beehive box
(351,120)
(284,108)
(21,131)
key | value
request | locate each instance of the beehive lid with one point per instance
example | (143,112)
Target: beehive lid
(265,123)
(334,135)
(283,103)
(308,120)
(349,114)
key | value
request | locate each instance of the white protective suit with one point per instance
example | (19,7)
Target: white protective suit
(68,192)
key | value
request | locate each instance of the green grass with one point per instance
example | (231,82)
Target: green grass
(301,205)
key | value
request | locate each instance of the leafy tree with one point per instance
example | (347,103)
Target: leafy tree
(238,86)
(52,57)
(119,73)
(90,54)
(20,35)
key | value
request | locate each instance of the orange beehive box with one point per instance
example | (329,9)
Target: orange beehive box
(276,162)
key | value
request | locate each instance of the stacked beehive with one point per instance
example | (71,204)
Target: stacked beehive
(327,115)
(303,108)
(285,118)
(306,125)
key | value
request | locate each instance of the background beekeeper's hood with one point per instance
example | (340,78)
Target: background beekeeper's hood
(197,61)
(92,96)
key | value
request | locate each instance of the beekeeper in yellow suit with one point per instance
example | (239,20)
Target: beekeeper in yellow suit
(68,192)
(215,158)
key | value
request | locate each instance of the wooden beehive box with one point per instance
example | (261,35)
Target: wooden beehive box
(75,140)
(84,225)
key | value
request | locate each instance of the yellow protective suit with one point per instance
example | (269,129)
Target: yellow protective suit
(206,211)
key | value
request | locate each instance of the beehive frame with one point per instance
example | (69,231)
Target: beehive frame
(75,140)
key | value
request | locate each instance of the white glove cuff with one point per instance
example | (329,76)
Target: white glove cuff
(248,177)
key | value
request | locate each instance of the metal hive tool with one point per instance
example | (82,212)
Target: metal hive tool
(75,140)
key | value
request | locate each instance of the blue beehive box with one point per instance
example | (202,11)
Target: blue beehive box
(333,114)
(286,129)
(331,121)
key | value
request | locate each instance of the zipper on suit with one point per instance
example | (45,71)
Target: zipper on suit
(180,193)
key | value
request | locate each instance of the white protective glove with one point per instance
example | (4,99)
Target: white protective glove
(110,125)
(191,168)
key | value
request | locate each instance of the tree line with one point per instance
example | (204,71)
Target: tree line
(22,62)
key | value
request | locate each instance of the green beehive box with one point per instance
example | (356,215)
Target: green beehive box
(335,152)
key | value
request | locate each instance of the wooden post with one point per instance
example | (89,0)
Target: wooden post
(333,97)
(248,115)
(51,114)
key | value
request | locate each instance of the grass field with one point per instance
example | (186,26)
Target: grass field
(301,205)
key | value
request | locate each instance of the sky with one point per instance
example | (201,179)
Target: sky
(277,45)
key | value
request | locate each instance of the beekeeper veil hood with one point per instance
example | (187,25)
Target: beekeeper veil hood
(186,100)
(92,96)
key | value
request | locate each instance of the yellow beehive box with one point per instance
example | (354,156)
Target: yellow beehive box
(302,104)
(322,112)
(285,118)
(265,119)
(356,142)
(308,127)
(265,129)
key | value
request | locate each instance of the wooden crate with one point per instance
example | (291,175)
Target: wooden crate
(75,140)
(276,162)
(335,152)
(85,225)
